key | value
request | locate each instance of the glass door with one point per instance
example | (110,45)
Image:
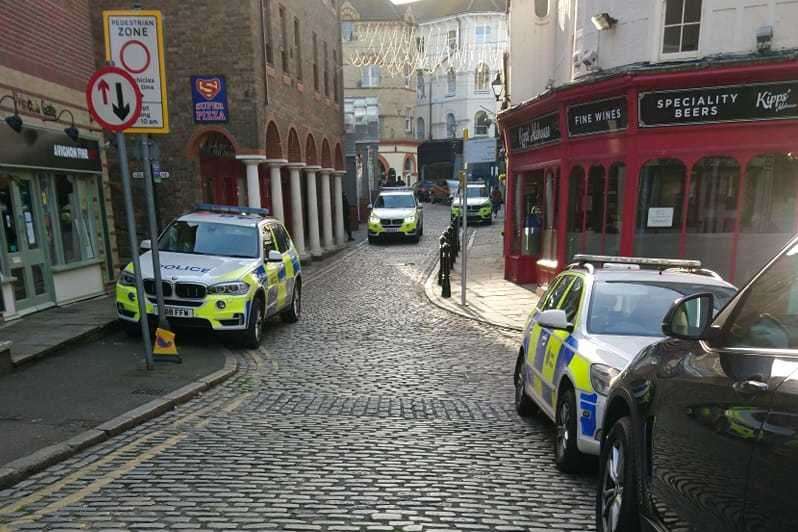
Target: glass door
(23,245)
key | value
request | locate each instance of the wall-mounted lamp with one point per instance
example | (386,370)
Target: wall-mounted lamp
(14,121)
(71,131)
(764,38)
(603,22)
(497,86)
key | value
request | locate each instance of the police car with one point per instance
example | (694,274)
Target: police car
(480,208)
(591,322)
(224,268)
(396,213)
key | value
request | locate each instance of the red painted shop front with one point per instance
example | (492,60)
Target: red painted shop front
(697,163)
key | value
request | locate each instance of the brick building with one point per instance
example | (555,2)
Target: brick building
(57,241)
(281,143)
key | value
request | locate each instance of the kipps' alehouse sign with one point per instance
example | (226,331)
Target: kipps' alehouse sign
(541,130)
(736,103)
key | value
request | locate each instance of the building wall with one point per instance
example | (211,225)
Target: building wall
(566,37)
(466,101)
(199,40)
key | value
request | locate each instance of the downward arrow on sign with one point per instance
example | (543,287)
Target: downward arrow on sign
(121,109)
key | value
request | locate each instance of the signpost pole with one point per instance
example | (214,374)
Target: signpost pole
(134,249)
(464,247)
(163,323)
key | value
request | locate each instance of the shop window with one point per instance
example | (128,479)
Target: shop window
(481,123)
(576,211)
(530,212)
(541,8)
(712,212)
(682,26)
(594,210)
(767,213)
(616,178)
(73,214)
(551,206)
(7,215)
(659,208)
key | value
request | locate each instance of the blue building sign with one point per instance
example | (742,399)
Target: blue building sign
(209,98)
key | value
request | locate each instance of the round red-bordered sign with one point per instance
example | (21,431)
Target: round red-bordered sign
(114,99)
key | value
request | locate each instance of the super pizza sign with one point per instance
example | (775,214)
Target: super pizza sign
(134,42)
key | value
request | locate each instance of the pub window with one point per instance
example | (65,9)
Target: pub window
(659,208)
(712,212)
(682,26)
(576,211)
(594,205)
(616,178)
(551,204)
(541,8)
(767,211)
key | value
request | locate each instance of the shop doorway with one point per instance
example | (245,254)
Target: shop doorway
(22,244)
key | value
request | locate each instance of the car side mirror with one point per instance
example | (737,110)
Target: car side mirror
(370,206)
(555,319)
(274,256)
(690,317)
(145,245)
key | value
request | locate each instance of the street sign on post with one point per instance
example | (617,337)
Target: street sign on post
(114,101)
(134,42)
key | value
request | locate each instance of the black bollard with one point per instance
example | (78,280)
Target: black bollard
(446,287)
(441,259)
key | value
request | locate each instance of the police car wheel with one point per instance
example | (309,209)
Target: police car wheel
(616,498)
(523,404)
(254,331)
(567,455)
(291,314)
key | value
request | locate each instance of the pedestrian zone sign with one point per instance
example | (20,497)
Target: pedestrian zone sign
(134,42)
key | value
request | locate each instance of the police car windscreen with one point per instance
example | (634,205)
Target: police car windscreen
(203,238)
(477,192)
(395,201)
(630,308)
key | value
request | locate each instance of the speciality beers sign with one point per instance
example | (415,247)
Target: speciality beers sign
(719,104)
(535,133)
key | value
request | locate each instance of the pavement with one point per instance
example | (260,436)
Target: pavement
(377,411)
(39,334)
(489,297)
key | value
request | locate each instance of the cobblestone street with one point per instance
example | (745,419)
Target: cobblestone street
(377,411)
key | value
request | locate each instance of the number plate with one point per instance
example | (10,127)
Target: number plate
(176,312)
(391,229)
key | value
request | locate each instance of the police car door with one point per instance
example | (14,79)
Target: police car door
(285,277)
(273,271)
(539,345)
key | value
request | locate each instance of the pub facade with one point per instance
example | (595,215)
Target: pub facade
(685,161)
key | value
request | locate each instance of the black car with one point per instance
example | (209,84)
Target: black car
(701,430)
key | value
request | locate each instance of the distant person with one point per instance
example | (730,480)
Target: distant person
(401,183)
(497,200)
(347,218)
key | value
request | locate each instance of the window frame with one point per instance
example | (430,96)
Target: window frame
(477,124)
(670,56)
(367,78)
(478,87)
(545,16)
(50,215)
(451,82)
(451,126)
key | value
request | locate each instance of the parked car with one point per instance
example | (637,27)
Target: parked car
(423,190)
(701,431)
(594,318)
(440,192)
(396,214)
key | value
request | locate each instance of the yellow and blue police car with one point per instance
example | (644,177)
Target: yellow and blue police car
(396,213)
(224,268)
(480,208)
(588,326)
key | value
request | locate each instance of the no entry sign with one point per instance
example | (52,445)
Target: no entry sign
(134,42)
(114,99)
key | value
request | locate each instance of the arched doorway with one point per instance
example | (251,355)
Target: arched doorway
(220,172)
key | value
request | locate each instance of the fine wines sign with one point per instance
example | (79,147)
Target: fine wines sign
(735,103)
(601,116)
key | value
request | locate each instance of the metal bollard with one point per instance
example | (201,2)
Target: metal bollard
(441,259)
(446,287)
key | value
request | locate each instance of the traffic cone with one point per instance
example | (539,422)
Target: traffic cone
(165,349)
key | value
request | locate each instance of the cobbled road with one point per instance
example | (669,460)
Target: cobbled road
(376,412)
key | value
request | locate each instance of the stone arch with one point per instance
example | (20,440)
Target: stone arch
(326,156)
(274,147)
(311,158)
(339,157)
(202,134)
(294,147)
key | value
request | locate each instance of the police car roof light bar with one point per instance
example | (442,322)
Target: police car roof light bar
(230,209)
(688,265)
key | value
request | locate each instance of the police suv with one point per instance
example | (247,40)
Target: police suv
(224,268)
(594,318)
(480,208)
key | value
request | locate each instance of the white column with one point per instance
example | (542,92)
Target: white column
(313,211)
(340,235)
(298,229)
(276,186)
(253,181)
(326,210)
